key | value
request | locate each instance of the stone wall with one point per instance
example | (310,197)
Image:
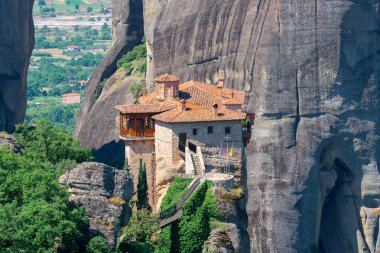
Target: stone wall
(167,138)
(142,150)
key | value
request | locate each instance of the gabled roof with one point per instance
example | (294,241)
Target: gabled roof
(167,78)
(200,94)
(198,115)
(200,98)
(145,108)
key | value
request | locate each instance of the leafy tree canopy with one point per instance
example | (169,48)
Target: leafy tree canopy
(46,142)
(35,212)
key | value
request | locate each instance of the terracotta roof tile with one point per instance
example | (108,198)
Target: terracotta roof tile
(231,102)
(167,77)
(71,95)
(200,94)
(198,115)
(145,108)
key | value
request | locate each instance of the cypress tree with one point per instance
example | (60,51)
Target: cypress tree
(142,188)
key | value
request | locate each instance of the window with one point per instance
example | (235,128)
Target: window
(148,123)
(210,129)
(227,130)
(195,131)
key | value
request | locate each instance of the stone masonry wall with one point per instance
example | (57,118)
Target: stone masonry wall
(136,150)
(209,143)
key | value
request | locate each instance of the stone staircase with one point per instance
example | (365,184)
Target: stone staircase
(197,165)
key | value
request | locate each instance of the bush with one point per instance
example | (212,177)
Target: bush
(48,143)
(140,229)
(136,89)
(195,223)
(176,190)
(42,54)
(98,245)
(117,201)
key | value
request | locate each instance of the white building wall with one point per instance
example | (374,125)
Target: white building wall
(210,144)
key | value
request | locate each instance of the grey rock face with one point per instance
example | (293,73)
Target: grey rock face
(310,70)
(96,127)
(93,185)
(218,242)
(16,45)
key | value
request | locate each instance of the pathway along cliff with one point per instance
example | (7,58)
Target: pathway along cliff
(310,69)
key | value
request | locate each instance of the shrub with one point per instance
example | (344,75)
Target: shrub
(136,89)
(98,245)
(195,223)
(140,229)
(117,201)
(176,190)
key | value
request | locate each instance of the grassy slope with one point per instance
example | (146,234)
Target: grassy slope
(176,190)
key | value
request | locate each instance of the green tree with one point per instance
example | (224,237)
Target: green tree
(41,2)
(98,245)
(77,6)
(89,9)
(126,165)
(46,142)
(35,212)
(139,231)
(142,188)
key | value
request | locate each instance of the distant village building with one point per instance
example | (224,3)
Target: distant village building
(71,98)
(73,48)
(191,128)
(82,83)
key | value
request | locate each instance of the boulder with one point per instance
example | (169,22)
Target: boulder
(104,192)
(218,242)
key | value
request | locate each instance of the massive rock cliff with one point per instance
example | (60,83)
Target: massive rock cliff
(16,45)
(310,70)
(96,121)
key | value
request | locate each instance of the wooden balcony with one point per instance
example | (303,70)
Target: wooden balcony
(136,127)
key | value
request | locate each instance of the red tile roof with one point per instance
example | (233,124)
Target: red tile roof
(198,115)
(145,108)
(200,98)
(231,102)
(71,95)
(167,77)
(200,94)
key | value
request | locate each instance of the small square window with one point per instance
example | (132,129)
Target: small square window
(227,130)
(210,129)
(195,131)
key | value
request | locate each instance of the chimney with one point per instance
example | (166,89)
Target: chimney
(144,92)
(215,110)
(220,82)
(220,85)
(183,104)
